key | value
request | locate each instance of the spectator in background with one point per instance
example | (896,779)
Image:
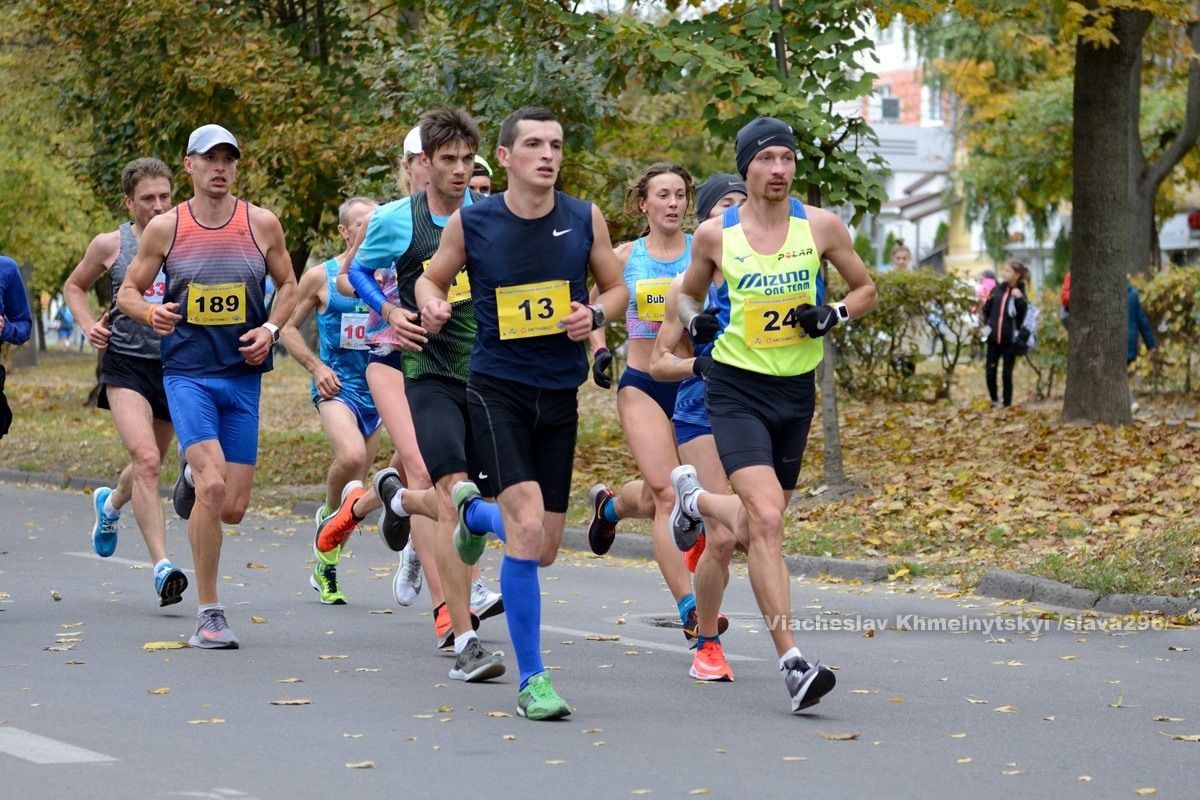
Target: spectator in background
(1064,313)
(1003,314)
(987,282)
(901,256)
(1139,323)
(15,323)
(66,325)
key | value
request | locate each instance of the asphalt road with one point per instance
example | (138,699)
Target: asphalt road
(992,705)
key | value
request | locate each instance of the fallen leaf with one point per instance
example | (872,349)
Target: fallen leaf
(1175,649)
(1048,718)
(975,701)
(1182,737)
(331,658)
(1005,709)
(640,791)
(555,761)
(366,669)
(1012,772)
(159,690)
(1120,702)
(957,735)
(592,730)
(869,633)
(895,699)
(74,662)
(839,737)
(54,595)
(360,764)
(255,565)
(1168,719)
(258,620)
(445,709)
(290,702)
(59,648)
(864,691)
(508,737)
(795,758)
(1085,778)
(352,735)
(963,760)
(152,646)
(1066,658)
(213,721)
(1146,790)
(289,680)
(603,637)
(498,714)
(700,791)
(380,611)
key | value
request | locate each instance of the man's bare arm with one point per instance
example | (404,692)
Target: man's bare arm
(153,246)
(97,259)
(837,248)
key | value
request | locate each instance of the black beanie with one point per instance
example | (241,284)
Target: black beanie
(713,189)
(757,135)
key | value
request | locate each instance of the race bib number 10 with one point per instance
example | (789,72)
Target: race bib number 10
(353,332)
(532,309)
(652,298)
(157,290)
(773,321)
(216,303)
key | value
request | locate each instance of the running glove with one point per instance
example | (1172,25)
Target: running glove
(817,320)
(602,368)
(704,326)
(701,365)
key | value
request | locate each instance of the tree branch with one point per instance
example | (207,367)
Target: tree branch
(1186,139)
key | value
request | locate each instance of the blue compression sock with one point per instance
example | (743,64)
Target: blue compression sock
(608,511)
(701,640)
(483,517)
(523,611)
(686,604)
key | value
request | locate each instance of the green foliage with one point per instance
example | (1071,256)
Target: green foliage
(918,311)
(889,244)
(1061,261)
(1049,359)
(942,235)
(865,250)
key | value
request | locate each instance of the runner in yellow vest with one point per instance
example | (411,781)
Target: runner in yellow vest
(760,390)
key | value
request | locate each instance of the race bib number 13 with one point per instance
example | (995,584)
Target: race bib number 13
(216,303)
(652,298)
(773,321)
(532,309)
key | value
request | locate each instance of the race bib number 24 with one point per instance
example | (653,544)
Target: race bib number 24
(773,321)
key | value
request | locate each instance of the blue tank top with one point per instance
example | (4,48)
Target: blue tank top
(342,334)
(506,252)
(689,401)
(648,279)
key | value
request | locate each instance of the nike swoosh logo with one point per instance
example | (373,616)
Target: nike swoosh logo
(560,233)
(823,324)
(483,476)
(769,138)
(733,183)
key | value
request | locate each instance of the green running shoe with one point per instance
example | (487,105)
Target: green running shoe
(469,545)
(324,577)
(539,701)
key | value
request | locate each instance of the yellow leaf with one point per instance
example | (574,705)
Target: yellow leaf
(795,758)
(555,761)
(1005,709)
(508,737)
(839,737)
(258,620)
(159,690)
(895,699)
(151,646)
(963,760)
(1146,790)
(957,735)
(360,764)
(255,565)
(592,730)
(603,637)
(700,791)
(498,714)
(213,721)
(289,680)
(445,709)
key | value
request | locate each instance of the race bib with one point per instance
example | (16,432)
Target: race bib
(158,290)
(216,303)
(460,289)
(773,321)
(532,309)
(651,298)
(353,331)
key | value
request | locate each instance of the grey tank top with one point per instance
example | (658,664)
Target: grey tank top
(130,337)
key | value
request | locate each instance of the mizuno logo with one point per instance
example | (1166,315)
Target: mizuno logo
(758,280)
(740,259)
(769,138)
(557,232)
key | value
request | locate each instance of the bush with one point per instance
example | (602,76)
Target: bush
(1049,359)
(1171,298)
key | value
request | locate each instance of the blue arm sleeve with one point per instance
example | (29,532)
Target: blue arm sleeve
(365,286)
(14,305)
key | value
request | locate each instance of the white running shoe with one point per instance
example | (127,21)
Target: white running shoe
(484,602)
(409,578)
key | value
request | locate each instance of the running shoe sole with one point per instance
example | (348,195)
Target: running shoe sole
(183,497)
(601,533)
(684,527)
(393,528)
(818,683)
(493,609)
(174,585)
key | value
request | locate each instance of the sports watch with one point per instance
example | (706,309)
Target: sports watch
(843,313)
(273,329)
(598,317)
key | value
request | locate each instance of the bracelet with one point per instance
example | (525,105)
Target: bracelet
(150,315)
(388,316)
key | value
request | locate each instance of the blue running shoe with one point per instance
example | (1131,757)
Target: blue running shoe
(104,532)
(170,583)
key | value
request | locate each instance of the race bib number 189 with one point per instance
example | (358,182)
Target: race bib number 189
(216,303)
(532,309)
(773,321)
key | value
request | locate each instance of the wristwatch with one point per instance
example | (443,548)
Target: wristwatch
(843,314)
(274,331)
(598,317)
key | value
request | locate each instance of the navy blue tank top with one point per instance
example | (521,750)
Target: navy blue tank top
(504,251)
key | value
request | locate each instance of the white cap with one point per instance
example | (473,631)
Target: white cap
(206,137)
(412,143)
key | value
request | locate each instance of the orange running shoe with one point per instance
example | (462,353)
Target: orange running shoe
(692,557)
(445,629)
(709,664)
(335,529)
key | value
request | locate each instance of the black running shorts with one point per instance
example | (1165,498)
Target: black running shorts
(760,420)
(141,375)
(439,412)
(524,433)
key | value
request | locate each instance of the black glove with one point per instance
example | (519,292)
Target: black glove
(817,320)
(602,368)
(701,365)
(705,325)
(1022,337)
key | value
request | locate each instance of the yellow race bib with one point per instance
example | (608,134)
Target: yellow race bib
(652,298)
(773,321)
(460,288)
(216,303)
(532,309)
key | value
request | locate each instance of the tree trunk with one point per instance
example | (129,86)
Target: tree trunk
(1104,218)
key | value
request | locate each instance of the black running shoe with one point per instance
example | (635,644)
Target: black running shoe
(393,527)
(601,533)
(183,497)
(807,684)
(691,628)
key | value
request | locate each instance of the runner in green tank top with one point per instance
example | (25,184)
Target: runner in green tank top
(760,389)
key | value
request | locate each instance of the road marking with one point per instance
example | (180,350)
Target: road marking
(41,750)
(671,648)
(126,561)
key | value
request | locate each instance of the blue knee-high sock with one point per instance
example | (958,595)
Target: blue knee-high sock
(523,611)
(483,517)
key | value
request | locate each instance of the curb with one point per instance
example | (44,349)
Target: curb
(1019,586)
(1001,584)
